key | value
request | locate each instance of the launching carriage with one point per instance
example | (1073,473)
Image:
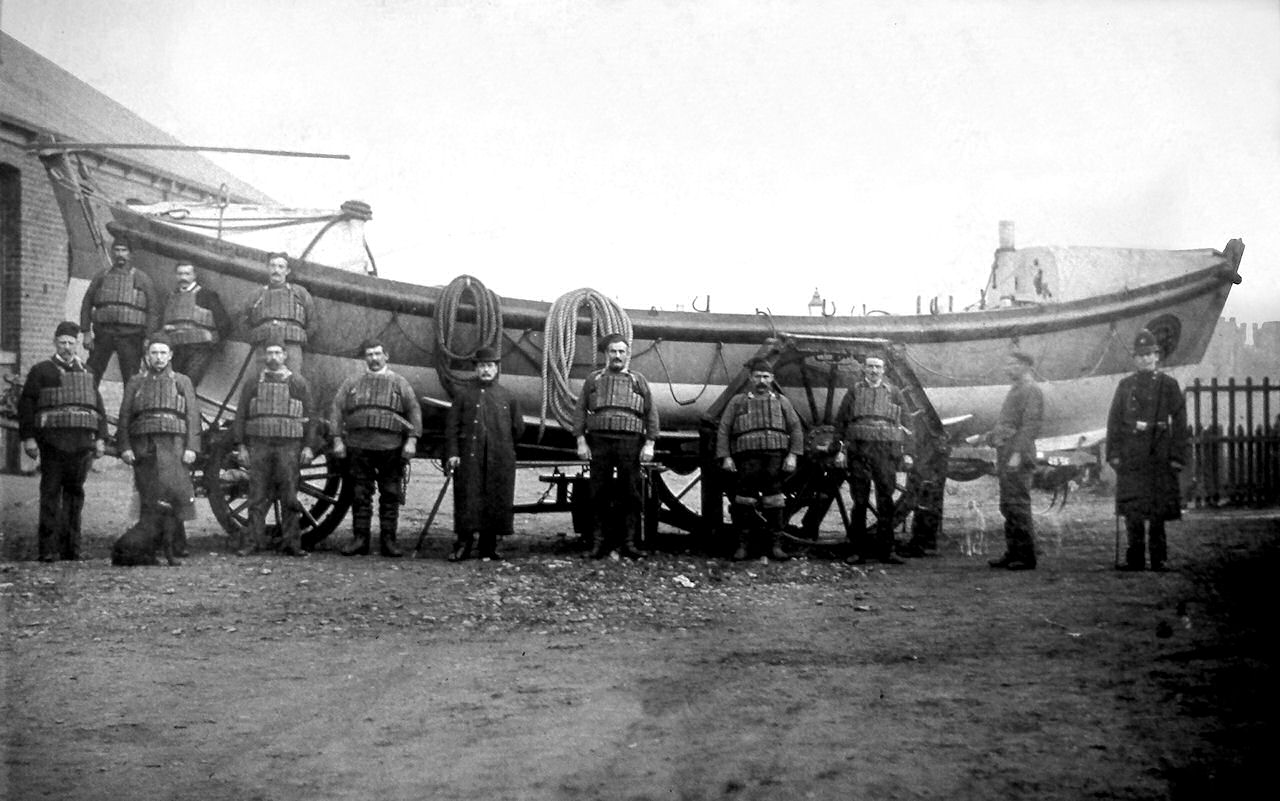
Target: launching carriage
(948,363)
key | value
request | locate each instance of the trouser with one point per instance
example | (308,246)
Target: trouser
(825,486)
(380,470)
(617,487)
(193,361)
(1135,555)
(1015,505)
(872,465)
(127,346)
(273,476)
(758,506)
(62,475)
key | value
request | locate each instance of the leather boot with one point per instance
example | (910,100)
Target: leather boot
(602,547)
(387,545)
(631,547)
(461,548)
(358,546)
(776,552)
(489,546)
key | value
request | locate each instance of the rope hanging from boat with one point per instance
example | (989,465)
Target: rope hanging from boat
(560,343)
(450,346)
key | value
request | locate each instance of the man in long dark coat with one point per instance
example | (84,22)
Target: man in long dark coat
(1147,447)
(480,433)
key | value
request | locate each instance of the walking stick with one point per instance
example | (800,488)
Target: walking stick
(1117,559)
(448,478)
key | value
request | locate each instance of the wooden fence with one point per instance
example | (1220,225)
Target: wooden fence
(1235,443)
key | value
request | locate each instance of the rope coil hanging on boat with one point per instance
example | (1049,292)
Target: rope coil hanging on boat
(560,344)
(486,331)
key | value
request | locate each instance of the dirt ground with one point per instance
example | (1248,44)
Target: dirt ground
(550,676)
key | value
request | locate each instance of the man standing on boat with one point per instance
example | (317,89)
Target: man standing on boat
(119,309)
(159,437)
(759,441)
(870,423)
(616,423)
(274,428)
(284,307)
(62,421)
(196,322)
(1147,447)
(480,434)
(1014,439)
(376,421)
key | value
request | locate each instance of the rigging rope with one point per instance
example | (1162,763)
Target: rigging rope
(485,331)
(560,343)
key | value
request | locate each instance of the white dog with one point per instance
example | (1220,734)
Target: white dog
(975,530)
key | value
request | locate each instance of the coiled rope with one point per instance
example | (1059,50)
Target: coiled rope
(560,343)
(450,345)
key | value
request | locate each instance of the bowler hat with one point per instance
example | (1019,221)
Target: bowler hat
(1144,343)
(66,328)
(486,355)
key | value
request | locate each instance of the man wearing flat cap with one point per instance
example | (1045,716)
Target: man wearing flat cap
(376,421)
(1147,446)
(1014,439)
(61,420)
(759,440)
(870,424)
(616,423)
(118,311)
(275,431)
(480,433)
(159,437)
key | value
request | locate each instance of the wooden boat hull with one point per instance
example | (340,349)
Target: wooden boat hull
(1081,347)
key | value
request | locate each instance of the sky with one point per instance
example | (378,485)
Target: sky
(745,151)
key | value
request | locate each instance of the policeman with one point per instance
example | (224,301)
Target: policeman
(159,436)
(616,423)
(275,429)
(61,419)
(870,422)
(759,441)
(282,306)
(376,421)
(1014,439)
(196,321)
(119,309)
(1147,446)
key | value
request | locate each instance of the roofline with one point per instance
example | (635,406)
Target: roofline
(24,134)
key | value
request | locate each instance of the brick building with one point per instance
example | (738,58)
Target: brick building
(38,98)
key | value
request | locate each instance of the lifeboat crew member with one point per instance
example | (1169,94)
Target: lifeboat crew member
(616,423)
(480,434)
(284,306)
(1014,439)
(1147,447)
(870,422)
(275,429)
(759,440)
(62,421)
(159,436)
(196,322)
(376,421)
(119,309)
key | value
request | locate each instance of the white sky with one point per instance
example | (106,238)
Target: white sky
(749,150)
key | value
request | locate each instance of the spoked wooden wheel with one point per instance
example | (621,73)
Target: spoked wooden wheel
(323,494)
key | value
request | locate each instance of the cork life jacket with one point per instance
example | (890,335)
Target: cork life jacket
(274,412)
(187,322)
(617,405)
(118,301)
(278,306)
(875,416)
(70,405)
(158,407)
(759,425)
(375,402)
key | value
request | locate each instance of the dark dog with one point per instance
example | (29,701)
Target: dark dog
(139,545)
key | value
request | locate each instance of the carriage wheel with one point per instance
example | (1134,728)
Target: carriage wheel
(324,496)
(672,507)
